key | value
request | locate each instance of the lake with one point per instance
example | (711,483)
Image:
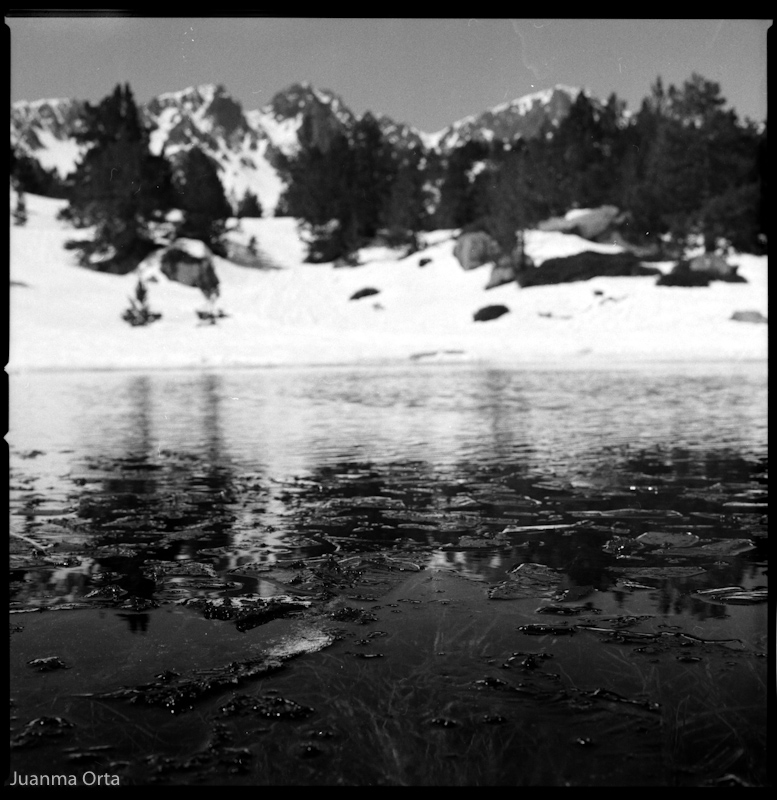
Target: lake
(437,574)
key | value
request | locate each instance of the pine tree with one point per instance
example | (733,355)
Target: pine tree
(118,187)
(340,188)
(458,204)
(20,211)
(316,177)
(249,206)
(513,200)
(585,149)
(28,175)
(200,195)
(372,173)
(404,212)
(701,173)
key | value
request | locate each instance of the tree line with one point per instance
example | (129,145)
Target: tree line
(683,166)
(125,193)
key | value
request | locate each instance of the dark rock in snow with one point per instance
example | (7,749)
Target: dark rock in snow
(694,273)
(364,293)
(505,270)
(190,262)
(748,316)
(583,267)
(475,248)
(714,265)
(490,312)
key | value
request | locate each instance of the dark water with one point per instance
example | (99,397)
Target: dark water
(140,502)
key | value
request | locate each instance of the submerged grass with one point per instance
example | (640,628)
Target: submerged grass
(415,730)
(707,736)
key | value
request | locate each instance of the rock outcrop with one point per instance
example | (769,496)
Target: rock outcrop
(475,248)
(589,223)
(583,267)
(507,269)
(749,316)
(701,272)
(190,262)
(713,264)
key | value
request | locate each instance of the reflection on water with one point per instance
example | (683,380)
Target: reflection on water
(165,466)
(134,491)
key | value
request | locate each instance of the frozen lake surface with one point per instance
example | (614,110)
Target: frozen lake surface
(434,573)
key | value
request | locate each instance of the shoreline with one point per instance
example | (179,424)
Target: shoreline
(602,362)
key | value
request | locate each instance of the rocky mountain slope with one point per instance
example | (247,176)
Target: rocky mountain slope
(523,117)
(246,144)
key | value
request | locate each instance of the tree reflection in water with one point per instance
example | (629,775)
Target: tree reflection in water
(167,487)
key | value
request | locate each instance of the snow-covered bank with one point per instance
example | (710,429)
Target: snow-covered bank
(65,317)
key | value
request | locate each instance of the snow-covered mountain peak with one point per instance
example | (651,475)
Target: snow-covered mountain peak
(302,98)
(193,97)
(249,146)
(55,115)
(523,116)
(544,97)
(45,129)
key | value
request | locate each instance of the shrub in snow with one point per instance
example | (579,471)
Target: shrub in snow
(20,212)
(139,313)
(210,315)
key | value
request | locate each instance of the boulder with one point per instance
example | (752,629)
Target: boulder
(490,312)
(713,264)
(475,248)
(501,273)
(583,267)
(647,252)
(247,256)
(588,223)
(367,292)
(684,274)
(748,316)
(190,262)
(507,269)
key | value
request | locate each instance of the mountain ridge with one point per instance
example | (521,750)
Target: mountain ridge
(248,145)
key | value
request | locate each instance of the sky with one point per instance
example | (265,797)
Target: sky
(424,72)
